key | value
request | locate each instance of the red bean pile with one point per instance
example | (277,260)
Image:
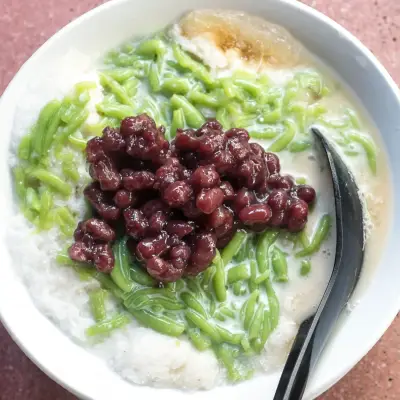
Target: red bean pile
(180,201)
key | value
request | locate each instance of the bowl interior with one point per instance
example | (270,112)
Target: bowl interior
(104,28)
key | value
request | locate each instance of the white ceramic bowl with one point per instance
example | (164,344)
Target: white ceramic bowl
(106,27)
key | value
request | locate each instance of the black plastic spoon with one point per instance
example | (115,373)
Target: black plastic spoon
(314,332)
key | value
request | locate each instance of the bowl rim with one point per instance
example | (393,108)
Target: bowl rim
(390,314)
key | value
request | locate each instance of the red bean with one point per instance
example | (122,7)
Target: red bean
(210,127)
(105,171)
(137,180)
(124,199)
(150,247)
(113,140)
(203,251)
(287,182)
(229,193)
(136,145)
(251,171)
(174,240)
(209,145)
(273,181)
(168,173)
(218,217)
(210,141)
(278,218)
(152,206)
(95,149)
(305,193)
(224,161)
(134,125)
(179,255)
(162,156)
(80,252)
(103,258)
(238,133)
(239,149)
(147,146)
(205,177)
(257,149)
(272,163)
(98,199)
(191,211)
(186,140)
(255,214)
(209,199)
(163,270)
(177,194)
(280,182)
(98,229)
(226,227)
(278,200)
(179,228)
(78,233)
(157,222)
(243,199)
(297,215)
(136,223)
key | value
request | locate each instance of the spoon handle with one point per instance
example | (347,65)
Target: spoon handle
(294,377)
(315,331)
(307,347)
